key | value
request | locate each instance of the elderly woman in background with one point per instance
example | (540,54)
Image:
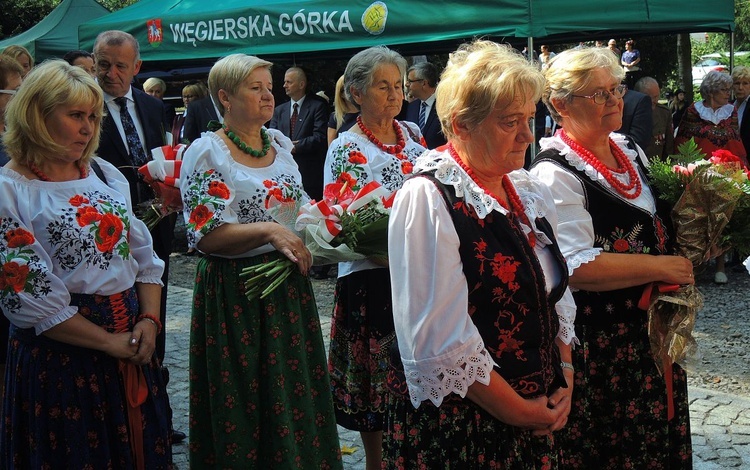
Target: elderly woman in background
(260,392)
(344,114)
(22,55)
(482,312)
(714,125)
(156,87)
(81,286)
(375,149)
(83,59)
(613,233)
(190,93)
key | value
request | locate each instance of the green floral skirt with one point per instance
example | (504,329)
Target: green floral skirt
(259,386)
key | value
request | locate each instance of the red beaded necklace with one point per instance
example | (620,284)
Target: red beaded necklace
(39,174)
(516,209)
(392,149)
(628,191)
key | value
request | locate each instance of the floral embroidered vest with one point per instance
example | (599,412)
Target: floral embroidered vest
(508,301)
(619,227)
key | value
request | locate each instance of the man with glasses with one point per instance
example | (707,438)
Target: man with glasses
(10,79)
(421,81)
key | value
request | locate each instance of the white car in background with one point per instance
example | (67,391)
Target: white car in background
(718,61)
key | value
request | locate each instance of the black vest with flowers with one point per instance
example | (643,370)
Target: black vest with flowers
(619,227)
(508,301)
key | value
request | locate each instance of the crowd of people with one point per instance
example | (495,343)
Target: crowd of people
(502,332)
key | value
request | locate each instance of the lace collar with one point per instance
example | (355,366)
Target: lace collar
(716,116)
(448,172)
(579,164)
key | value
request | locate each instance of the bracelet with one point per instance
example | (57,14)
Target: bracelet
(152,318)
(567,365)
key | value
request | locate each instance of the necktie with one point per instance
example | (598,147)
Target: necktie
(293,120)
(422,115)
(137,155)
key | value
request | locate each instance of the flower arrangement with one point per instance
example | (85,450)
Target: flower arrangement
(706,194)
(162,173)
(343,226)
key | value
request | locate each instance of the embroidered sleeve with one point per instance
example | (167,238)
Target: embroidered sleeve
(440,347)
(207,187)
(30,294)
(347,163)
(150,267)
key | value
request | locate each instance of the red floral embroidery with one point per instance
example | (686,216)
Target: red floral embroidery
(269,183)
(13,276)
(406,167)
(337,191)
(87,215)
(357,157)
(200,216)
(19,237)
(621,245)
(78,200)
(218,189)
(110,231)
(346,178)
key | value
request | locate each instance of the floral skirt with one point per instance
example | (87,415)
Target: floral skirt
(459,435)
(259,389)
(65,406)
(619,413)
(361,335)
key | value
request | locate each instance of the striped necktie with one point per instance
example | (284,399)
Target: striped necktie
(422,115)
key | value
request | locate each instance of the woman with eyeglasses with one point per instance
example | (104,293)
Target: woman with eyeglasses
(713,124)
(615,236)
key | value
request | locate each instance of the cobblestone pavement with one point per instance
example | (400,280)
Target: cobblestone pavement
(720,422)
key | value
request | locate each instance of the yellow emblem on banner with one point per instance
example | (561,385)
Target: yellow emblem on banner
(374,17)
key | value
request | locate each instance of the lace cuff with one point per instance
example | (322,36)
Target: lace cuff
(438,382)
(567,333)
(579,258)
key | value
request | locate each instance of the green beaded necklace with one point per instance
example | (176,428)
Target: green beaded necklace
(246,148)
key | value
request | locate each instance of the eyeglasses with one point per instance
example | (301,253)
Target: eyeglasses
(601,97)
(410,81)
(9,92)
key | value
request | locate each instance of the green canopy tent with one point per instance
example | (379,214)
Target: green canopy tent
(57,33)
(180,30)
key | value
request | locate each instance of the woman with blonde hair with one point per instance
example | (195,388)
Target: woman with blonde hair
(615,234)
(22,55)
(344,115)
(81,286)
(484,376)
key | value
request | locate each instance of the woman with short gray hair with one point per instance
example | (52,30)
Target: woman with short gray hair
(377,148)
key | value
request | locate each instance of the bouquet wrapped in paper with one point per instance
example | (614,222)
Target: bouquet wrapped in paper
(343,226)
(162,173)
(704,194)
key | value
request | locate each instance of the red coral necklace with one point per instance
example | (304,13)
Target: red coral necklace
(516,209)
(628,191)
(42,176)
(392,149)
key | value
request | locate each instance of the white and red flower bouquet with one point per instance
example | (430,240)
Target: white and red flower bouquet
(162,173)
(704,193)
(343,226)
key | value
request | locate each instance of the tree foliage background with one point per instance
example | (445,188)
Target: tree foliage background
(19,15)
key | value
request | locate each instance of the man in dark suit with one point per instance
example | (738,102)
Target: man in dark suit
(308,130)
(199,113)
(117,61)
(741,86)
(421,81)
(637,118)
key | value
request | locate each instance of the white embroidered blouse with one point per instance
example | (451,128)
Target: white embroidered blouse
(576,230)
(217,190)
(441,349)
(58,238)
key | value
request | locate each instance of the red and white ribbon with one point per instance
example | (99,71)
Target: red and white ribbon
(165,165)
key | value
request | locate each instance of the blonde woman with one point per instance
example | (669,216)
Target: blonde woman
(344,115)
(22,55)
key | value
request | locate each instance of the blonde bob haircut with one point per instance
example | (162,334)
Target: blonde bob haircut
(17,51)
(741,72)
(48,86)
(479,75)
(229,72)
(570,72)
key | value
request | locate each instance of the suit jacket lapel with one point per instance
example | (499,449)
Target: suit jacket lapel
(111,134)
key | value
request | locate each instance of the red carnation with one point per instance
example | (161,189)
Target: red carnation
(19,237)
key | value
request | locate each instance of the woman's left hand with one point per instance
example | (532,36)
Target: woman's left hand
(144,335)
(561,399)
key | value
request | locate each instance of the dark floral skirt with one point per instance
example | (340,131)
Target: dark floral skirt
(619,414)
(65,406)
(259,389)
(459,435)
(362,332)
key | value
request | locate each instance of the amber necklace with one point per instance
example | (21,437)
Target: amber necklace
(628,191)
(42,176)
(246,148)
(392,149)
(510,190)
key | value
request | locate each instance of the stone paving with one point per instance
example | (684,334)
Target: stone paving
(720,422)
